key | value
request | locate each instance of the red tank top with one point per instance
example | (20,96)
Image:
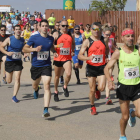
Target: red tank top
(64,53)
(97,48)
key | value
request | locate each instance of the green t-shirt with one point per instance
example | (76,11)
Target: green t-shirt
(51,21)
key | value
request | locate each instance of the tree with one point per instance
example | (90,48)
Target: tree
(107,5)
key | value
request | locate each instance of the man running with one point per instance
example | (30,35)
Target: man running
(65,47)
(3,36)
(97,51)
(87,33)
(41,62)
(13,62)
(128,88)
(78,44)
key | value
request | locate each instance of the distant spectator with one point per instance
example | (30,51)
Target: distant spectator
(32,22)
(17,13)
(29,15)
(3,21)
(11,13)
(25,20)
(71,23)
(35,14)
(22,15)
(21,25)
(15,21)
(38,18)
(44,16)
(9,27)
(13,16)
(81,28)
(51,21)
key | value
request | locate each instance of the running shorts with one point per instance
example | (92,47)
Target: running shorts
(76,60)
(59,63)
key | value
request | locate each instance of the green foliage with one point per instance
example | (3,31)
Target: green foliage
(107,5)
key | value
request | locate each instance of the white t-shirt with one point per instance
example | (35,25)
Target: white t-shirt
(44,16)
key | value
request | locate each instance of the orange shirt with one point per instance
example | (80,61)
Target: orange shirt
(64,53)
(98,50)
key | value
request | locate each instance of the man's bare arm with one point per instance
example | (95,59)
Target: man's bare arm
(4,44)
(81,55)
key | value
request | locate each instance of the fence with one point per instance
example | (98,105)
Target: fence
(121,19)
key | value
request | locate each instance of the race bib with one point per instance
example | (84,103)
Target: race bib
(32,27)
(78,47)
(43,55)
(64,51)
(16,55)
(98,59)
(131,73)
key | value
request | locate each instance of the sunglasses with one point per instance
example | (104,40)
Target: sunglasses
(77,29)
(3,30)
(95,29)
(107,34)
(65,25)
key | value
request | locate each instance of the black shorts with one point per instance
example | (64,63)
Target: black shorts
(128,92)
(37,72)
(11,66)
(94,71)
(51,27)
(59,63)
(1,55)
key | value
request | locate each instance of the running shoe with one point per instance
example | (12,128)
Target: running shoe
(108,101)
(4,80)
(98,94)
(93,111)
(61,81)
(78,82)
(132,120)
(66,92)
(15,100)
(46,113)
(56,98)
(123,138)
(36,93)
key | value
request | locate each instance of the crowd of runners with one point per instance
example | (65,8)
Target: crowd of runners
(71,44)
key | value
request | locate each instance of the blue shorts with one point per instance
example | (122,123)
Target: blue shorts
(76,60)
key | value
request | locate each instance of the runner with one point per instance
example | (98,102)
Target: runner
(3,36)
(87,33)
(106,34)
(65,47)
(78,43)
(51,20)
(128,88)
(97,51)
(81,28)
(9,27)
(57,25)
(41,62)
(13,62)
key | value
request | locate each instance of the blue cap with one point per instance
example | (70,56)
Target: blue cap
(77,26)
(64,17)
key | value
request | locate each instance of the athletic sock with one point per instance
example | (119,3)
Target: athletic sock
(45,108)
(77,73)
(61,78)
(92,106)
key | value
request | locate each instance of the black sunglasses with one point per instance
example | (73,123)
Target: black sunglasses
(3,30)
(77,29)
(65,25)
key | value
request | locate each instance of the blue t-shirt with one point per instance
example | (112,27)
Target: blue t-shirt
(16,46)
(42,58)
(78,44)
(14,22)
(13,16)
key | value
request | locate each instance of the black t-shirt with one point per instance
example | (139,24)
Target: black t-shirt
(54,31)
(2,38)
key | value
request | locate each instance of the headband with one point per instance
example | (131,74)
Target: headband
(126,32)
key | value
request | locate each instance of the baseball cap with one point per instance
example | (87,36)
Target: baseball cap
(77,26)
(81,23)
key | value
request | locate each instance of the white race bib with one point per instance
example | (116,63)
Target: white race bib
(32,27)
(64,51)
(16,55)
(78,47)
(131,73)
(43,55)
(98,59)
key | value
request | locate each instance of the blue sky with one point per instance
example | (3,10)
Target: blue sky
(41,5)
